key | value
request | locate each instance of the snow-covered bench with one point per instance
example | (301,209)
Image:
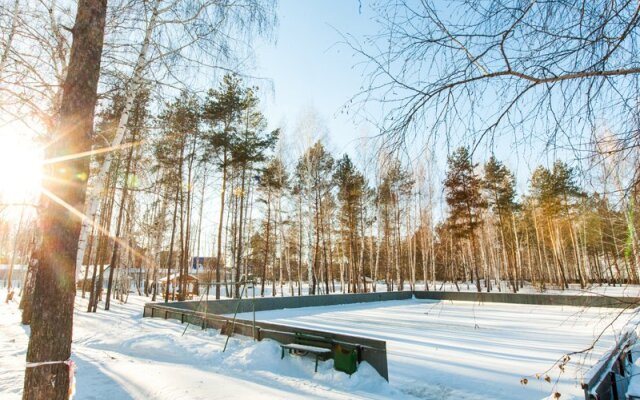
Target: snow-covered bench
(302,349)
(309,344)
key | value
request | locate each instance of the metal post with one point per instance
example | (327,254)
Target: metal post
(614,386)
(253,305)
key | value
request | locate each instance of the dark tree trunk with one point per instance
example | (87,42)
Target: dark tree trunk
(113,265)
(221,222)
(52,317)
(300,245)
(180,265)
(266,249)
(187,238)
(86,270)
(316,249)
(171,243)
(239,248)
(105,223)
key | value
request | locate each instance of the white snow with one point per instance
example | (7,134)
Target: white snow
(121,355)
(573,290)
(436,350)
(633,391)
(465,350)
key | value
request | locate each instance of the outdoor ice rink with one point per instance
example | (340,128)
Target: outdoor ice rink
(466,350)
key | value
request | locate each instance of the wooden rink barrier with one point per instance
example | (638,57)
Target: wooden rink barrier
(212,314)
(370,350)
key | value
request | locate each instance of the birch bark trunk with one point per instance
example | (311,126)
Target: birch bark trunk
(93,192)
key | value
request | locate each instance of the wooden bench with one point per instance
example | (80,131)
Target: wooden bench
(309,344)
(302,350)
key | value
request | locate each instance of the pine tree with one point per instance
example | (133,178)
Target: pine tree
(556,195)
(273,181)
(464,198)
(175,153)
(313,176)
(221,112)
(352,189)
(396,185)
(499,184)
(249,150)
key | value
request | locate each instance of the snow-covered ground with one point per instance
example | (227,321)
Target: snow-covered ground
(574,289)
(436,350)
(463,350)
(120,355)
(502,287)
(633,391)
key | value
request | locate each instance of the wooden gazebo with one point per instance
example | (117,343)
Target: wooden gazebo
(174,287)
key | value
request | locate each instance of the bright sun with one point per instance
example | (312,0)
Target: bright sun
(20,167)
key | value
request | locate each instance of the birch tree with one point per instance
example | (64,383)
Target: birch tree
(188,35)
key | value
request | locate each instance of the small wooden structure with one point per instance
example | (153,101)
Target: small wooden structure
(302,349)
(191,283)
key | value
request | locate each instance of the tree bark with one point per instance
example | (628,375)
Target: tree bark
(52,318)
(266,248)
(113,265)
(221,223)
(238,260)
(133,89)
(171,245)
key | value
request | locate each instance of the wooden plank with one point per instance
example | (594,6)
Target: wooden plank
(371,350)
(303,347)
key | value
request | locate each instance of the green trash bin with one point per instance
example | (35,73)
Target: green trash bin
(345,360)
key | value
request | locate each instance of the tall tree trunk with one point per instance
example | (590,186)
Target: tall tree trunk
(300,244)
(133,88)
(397,247)
(104,229)
(240,237)
(26,302)
(277,254)
(325,262)
(52,317)
(517,250)
(266,247)
(113,265)
(316,247)
(180,266)
(199,235)
(221,223)
(285,245)
(171,244)
(86,270)
(362,246)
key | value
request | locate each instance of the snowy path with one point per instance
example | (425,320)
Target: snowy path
(120,355)
(463,350)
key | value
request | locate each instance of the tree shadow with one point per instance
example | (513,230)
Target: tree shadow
(93,383)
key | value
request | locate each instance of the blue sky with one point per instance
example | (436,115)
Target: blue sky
(309,69)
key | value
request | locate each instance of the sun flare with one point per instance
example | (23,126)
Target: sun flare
(20,168)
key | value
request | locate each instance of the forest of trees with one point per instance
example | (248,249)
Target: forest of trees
(328,221)
(137,186)
(320,220)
